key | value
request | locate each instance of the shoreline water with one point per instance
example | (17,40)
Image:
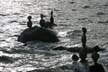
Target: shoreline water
(70,16)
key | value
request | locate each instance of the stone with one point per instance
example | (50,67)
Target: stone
(39,34)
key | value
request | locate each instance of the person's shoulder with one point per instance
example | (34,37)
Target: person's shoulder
(95,65)
(99,65)
(92,66)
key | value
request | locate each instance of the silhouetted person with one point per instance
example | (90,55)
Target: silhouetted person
(50,24)
(97,48)
(83,55)
(29,23)
(96,67)
(75,65)
(51,18)
(84,67)
(75,57)
(42,21)
(84,30)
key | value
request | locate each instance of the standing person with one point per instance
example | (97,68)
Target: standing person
(83,39)
(29,23)
(96,67)
(42,21)
(83,52)
(51,18)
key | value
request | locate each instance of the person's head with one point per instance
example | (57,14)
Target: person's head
(41,15)
(29,17)
(84,30)
(96,48)
(83,55)
(75,57)
(95,57)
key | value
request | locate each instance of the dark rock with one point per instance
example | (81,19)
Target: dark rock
(42,70)
(60,48)
(85,7)
(72,2)
(106,4)
(14,21)
(6,59)
(83,19)
(73,9)
(39,34)
(77,49)
(72,49)
(100,13)
(97,48)
(103,21)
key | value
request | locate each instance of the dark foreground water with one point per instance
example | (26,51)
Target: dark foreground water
(70,16)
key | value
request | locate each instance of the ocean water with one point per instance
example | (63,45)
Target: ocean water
(69,15)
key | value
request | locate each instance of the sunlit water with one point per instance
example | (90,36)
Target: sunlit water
(70,16)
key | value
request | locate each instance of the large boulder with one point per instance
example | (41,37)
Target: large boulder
(39,34)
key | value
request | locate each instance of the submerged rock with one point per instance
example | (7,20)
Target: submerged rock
(6,59)
(77,49)
(39,34)
(42,70)
(86,6)
(103,21)
(100,13)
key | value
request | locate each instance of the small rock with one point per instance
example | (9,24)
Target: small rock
(85,7)
(100,13)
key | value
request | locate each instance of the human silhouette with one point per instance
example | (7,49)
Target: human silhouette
(51,18)
(96,67)
(75,57)
(42,21)
(75,65)
(84,67)
(29,23)
(83,39)
(50,24)
(83,55)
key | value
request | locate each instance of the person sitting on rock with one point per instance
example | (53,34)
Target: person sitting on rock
(42,21)
(29,23)
(52,19)
(96,67)
(84,30)
(51,23)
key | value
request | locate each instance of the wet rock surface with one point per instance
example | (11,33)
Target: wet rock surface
(39,34)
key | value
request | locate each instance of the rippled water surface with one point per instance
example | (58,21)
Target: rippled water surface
(69,15)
